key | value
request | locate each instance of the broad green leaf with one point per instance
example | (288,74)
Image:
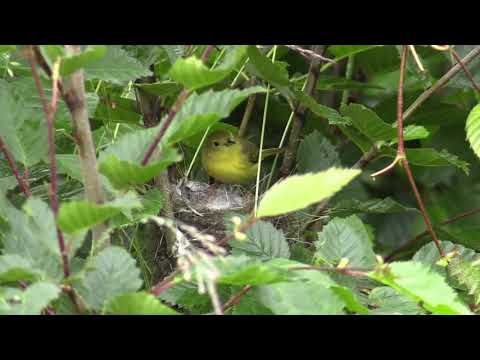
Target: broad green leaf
(473,129)
(7,183)
(299,191)
(201,111)
(343,51)
(117,66)
(332,115)
(117,110)
(161,88)
(14,268)
(52,54)
(140,303)
(467,273)
(311,297)
(75,216)
(185,295)
(430,157)
(194,141)
(249,303)
(414,132)
(369,123)
(345,239)
(388,301)
(72,62)
(70,164)
(420,284)
(328,83)
(7,48)
(271,72)
(194,74)
(316,153)
(31,301)
(112,272)
(120,162)
(263,241)
(33,236)
(372,206)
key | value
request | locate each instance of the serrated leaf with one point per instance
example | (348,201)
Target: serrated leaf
(117,66)
(372,206)
(343,51)
(467,273)
(140,303)
(388,301)
(201,111)
(14,268)
(420,284)
(345,239)
(316,153)
(31,301)
(72,62)
(430,157)
(186,295)
(332,115)
(76,216)
(473,129)
(194,74)
(326,83)
(33,236)
(290,195)
(263,241)
(7,48)
(70,164)
(160,88)
(113,272)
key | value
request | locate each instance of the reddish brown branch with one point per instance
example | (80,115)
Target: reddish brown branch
(171,114)
(235,299)
(13,166)
(164,284)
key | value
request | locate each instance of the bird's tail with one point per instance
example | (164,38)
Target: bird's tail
(270,152)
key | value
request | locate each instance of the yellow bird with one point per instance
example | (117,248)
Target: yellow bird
(230,159)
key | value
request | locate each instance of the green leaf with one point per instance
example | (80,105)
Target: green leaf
(332,115)
(290,195)
(369,123)
(33,236)
(343,51)
(270,72)
(160,88)
(420,284)
(31,301)
(328,83)
(76,216)
(186,295)
(467,273)
(388,301)
(249,303)
(316,153)
(7,48)
(117,66)
(120,162)
(302,298)
(112,272)
(345,238)
(201,111)
(72,62)
(194,74)
(372,206)
(70,164)
(430,157)
(140,303)
(117,110)
(14,268)
(473,129)
(263,241)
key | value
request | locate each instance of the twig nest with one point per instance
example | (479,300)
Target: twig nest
(206,205)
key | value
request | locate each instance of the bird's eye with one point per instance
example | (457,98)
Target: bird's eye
(216,143)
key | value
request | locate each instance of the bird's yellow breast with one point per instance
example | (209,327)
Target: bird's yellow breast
(228,164)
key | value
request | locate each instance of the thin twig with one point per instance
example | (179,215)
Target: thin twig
(171,114)
(466,70)
(13,166)
(235,299)
(248,111)
(413,241)
(310,54)
(299,117)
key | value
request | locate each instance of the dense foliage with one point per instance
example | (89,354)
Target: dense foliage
(105,207)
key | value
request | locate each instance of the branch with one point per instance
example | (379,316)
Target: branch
(235,299)
(410,243)
(13,166)
(466,71)
(171,114)
(299,117)
(310,54)
(248,111)
(74,96)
